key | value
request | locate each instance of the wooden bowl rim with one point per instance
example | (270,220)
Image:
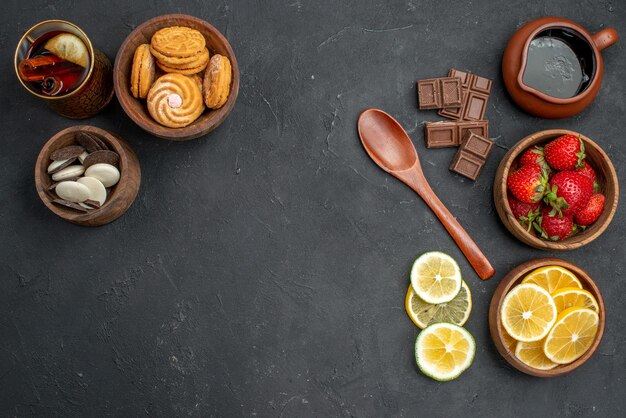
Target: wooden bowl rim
(513,278)
(500,189)
(125,163)
(197,128)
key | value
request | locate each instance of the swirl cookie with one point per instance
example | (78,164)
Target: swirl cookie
(178,42)
(143,72)
(175,100)
(217,79)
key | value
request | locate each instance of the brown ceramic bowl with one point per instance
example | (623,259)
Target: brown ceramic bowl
(120,197)
(137,110)
(514,277)
(607,178)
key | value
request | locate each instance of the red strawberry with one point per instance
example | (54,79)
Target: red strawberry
(565,153)
(527,184)
(588,171)
(554,227)
(526,213)
(591,211)
(568,192)
(533,156)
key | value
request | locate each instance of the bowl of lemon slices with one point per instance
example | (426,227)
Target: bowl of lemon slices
(547,317)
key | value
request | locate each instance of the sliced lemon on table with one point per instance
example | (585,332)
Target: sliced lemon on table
(532,355)
(422,313)
(443,351)
(528,312)
(436,277)
(552,278)
(569,297)
(572,335)
(69,47)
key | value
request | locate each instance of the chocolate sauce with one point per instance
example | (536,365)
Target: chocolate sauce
(560,63)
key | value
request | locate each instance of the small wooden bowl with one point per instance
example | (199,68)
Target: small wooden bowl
(607,178)
(137,110)
(514,277)
(121,195)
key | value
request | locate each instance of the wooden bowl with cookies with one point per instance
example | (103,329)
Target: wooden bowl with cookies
(176,76)
(87,175)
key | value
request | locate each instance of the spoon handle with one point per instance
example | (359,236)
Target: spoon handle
(474,255)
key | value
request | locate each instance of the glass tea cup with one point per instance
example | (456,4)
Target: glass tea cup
(76,90)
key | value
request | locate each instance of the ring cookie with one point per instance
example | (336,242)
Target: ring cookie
(217,80)
(175,100)
(143,72)
(178,42)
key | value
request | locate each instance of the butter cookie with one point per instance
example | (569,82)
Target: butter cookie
(217,80)
(143,72)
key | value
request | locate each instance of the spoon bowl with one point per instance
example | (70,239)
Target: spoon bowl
(386,142)
(390,147)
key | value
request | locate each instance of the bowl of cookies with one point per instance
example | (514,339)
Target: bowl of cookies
(87,175)
(176,76)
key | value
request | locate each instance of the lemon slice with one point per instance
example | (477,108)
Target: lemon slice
(436,277)
(509,342)
(532,355)
(569,297)
(444,351)
(456,311)
(69,47)
(528,312)
(572,335)
(552,278)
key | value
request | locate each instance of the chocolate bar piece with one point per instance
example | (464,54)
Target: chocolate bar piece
(446,134)
(475,95)
(437,93)
(467,165)
(472,155)
(477,145)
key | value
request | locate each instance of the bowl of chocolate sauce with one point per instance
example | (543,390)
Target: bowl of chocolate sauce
(552,67)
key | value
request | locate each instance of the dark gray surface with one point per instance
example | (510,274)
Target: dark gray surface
(262,269)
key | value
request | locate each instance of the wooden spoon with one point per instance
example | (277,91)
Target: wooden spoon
(391,148)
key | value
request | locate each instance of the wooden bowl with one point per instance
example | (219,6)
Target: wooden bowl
(121,196)
(607,178)
(514,277)
(137,110)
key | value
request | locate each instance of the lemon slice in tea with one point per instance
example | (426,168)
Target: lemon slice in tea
(69,47)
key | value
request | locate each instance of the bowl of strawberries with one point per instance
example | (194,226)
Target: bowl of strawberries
(556,190)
